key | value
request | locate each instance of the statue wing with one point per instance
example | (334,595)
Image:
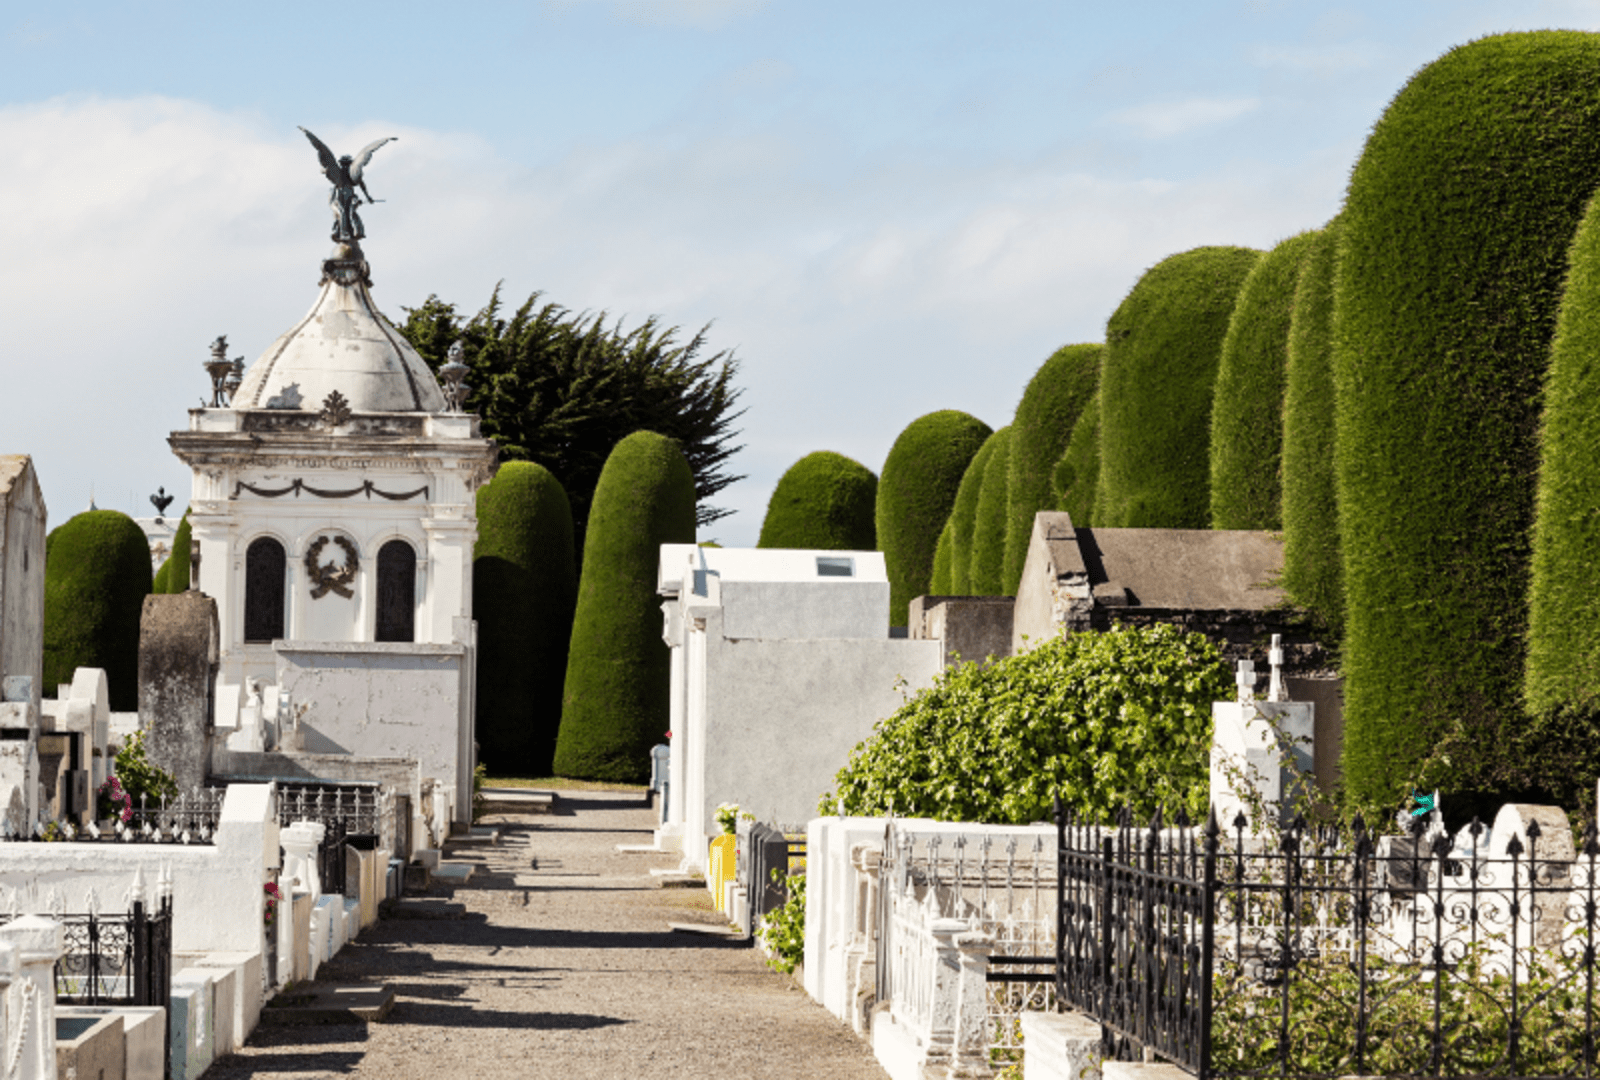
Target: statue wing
(365,156)
(330,164)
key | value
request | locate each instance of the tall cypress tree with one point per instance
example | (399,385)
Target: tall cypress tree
(97,574)
(987,572)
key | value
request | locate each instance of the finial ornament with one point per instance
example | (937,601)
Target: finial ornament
(161,500)
(226,375)
(345,174)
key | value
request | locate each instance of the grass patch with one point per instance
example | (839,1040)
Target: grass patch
(560,783)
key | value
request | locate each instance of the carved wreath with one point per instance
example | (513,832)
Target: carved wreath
(326,578)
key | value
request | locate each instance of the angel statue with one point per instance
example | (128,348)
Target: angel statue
(345,175)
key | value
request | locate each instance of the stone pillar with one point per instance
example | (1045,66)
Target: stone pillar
(178,641)
(945,999)
(971,1058)
(31,999)
(861,957)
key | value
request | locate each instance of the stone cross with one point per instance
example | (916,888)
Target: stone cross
(1246,680)
(1275,689)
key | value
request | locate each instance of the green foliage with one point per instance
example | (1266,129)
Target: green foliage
(1056,396)
(941,584)
(480,777)
(915,495)
(177,564)
(783,929)
(825,501)
(963,515)
(1078,470)
(1312,575)
(158,584)
(1163,345)
(1247,404)
(139,775)
(987,562)
(562,389)
(1451,267)
(615,705)
(1099,718)
(524,588)
(97,574)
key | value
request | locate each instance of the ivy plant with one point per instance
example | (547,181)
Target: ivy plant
(140,775)
(783,930)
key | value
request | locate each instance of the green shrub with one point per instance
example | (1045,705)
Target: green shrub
(1163,344)
(1312,576)
(158,584)
(1451,267)
(97,574)
(1247,404)
(1563,668)
(986,568)
(178,563)
(783,930)
(963,515)
(145,782)
(1050,406)
(524,587)
(1078,470)
(1100,719)
(941,584)
(915,495)
(825,501)
(615,705)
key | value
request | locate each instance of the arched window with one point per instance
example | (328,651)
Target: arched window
(397,592)
(264,563)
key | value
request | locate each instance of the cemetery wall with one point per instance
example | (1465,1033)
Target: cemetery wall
(968,628)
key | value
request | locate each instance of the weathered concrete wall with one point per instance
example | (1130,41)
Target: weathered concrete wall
(974,629)
(177,659)
(22,533)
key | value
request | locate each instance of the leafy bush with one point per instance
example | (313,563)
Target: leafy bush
(142,777)
(824,501)
(173,577)
(1101,719)
(1247,405)
(987,561)
(1451,269)
(524,588)
(616,699)
(783,930)
(1078,470)
(964,514)
(97,574)
(1050,406)
(915,494)
(1163,344)
(1312,576)
(942,585)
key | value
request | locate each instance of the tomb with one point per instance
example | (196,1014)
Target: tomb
(22,537)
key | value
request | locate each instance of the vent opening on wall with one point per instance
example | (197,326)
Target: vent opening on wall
(835,566)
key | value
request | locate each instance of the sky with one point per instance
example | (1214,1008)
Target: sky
(880,208)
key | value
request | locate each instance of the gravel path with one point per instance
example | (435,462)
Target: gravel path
(564,967)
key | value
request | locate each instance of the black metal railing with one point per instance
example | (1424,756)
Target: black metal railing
(1316,952)
(347,812)
(184,819)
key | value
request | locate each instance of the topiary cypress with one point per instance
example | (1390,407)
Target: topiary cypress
(986,573)
(825,501)
(1050,406)
(915,494)
(962,516)
(1312,576)
(177,564)
(1247,403)
(97,574)
(1078,470)
(1562,682)
(1163,344)
(158,584)
(1450,270)
(524,586)
(941,584)
(616,699)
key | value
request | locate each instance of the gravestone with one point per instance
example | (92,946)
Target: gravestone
(177,663)
(1261,751)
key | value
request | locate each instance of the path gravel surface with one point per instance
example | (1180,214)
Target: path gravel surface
(563,966)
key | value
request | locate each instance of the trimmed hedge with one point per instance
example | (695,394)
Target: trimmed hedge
(1451,267)
(1562,682)
(941,584)
(1050,406)
(524,588)
(616,699)
(97,574)
(1078,470)
(1163,344)
(1100,719)
(825,501)
(962,517)
(173,577)
(1312,576)
(915,494)
(987,565)
(1247,403)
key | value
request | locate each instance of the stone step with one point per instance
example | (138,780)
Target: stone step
(706,929)
(424,907)
(480,835)
(517,801)
(329,1004)
(453,873)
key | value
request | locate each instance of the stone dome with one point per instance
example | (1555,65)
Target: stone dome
(342,344)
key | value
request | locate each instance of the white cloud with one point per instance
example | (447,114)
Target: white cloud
(698,14)
(1159,120)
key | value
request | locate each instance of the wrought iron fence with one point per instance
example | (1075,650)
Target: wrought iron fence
(1316,952)
(190,818)
(345,811)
